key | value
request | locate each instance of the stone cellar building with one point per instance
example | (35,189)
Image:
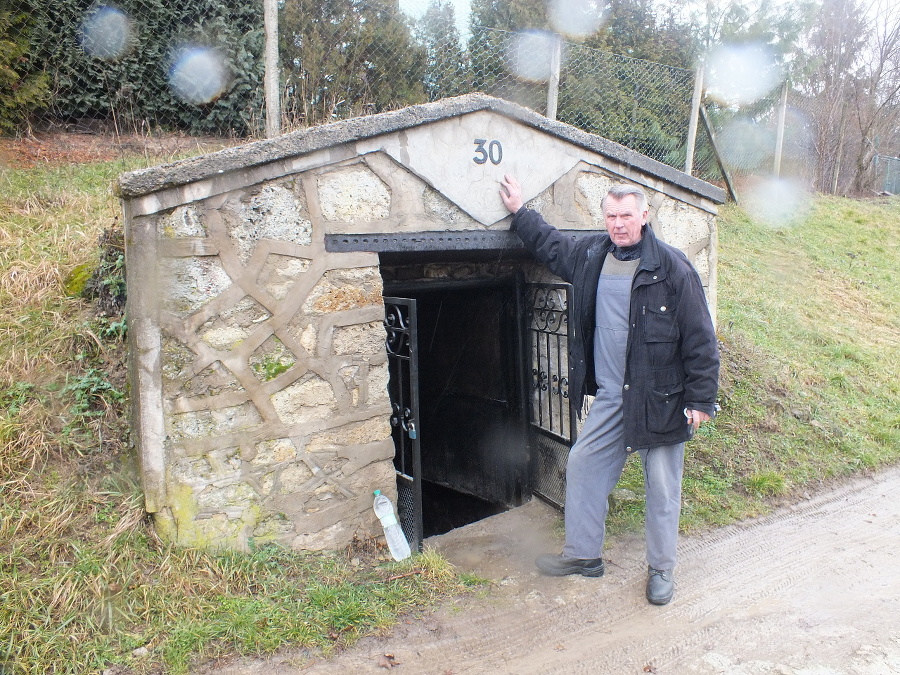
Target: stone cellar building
(344,309)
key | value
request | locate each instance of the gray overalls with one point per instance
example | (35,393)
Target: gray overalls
(598,456)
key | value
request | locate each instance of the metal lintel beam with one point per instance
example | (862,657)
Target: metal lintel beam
(393,242)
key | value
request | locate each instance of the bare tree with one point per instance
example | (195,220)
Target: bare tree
(877,91)
(833,54)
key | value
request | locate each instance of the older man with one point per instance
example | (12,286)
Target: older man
(644,346)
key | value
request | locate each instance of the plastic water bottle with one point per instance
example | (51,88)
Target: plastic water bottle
(396,540)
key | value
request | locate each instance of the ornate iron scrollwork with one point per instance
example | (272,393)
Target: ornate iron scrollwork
(396,325)
(548,321)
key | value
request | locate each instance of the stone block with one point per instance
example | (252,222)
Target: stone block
(271,359)
(274,451)
(353,193)
(377,382)
(592,188)
(190,283)
(451,216)
(210,423)
(680,225)
(308,400)
(182,222)
(343,290)
(358,433)
(362,339)
(275,212)
(279,274)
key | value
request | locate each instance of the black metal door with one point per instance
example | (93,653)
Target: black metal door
(551,414)
(403,364)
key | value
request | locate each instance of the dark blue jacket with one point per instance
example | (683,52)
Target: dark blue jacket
(672,360)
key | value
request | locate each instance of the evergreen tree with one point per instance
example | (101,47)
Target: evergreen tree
(21,91)
(445,71)
(494,27)
(625,98)
(510,15)
(348,57)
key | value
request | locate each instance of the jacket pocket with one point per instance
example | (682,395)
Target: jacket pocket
(660,324)
(661,335)
(665,402)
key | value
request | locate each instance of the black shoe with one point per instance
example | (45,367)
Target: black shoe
(559,566)
(660,586)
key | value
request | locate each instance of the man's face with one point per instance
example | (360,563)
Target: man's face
(624,219)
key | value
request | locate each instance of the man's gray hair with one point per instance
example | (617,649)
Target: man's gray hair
(621,191)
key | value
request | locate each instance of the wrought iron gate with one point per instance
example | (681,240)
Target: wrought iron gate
(402,351)
(552,428)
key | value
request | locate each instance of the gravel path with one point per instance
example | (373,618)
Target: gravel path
(809,590)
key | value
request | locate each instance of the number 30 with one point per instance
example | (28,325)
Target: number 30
(493,152)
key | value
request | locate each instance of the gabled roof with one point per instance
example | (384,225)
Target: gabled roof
(154,179)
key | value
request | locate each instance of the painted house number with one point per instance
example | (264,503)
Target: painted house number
(493,151)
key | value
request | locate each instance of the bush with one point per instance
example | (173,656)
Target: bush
(123,71)
(20,91)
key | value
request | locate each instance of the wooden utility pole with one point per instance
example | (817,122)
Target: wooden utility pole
(779,134)
(719,160)
(272,76)
(553,84)
(696,102)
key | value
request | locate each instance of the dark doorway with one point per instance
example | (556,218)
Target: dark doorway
(471,429)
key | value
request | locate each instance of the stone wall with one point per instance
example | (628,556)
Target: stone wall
(257,355)
(273,372)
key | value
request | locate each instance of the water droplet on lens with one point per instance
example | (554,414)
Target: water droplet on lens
(199,75)
(105,33)
(530,54)
(741,74)
(576,18)
(745,145)
(778,202)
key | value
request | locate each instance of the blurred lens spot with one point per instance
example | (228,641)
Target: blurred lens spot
(198,75)
(746,145)
(778,202)
(530,55)
(741,74)
(105,33)
(575,18)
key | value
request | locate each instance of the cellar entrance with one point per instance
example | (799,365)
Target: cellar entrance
(468,421)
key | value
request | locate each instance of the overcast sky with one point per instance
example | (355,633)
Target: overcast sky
(417,8)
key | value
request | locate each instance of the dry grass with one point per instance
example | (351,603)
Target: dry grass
(84,580)
(26,440)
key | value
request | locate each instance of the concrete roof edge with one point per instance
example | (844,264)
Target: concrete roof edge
(165,176)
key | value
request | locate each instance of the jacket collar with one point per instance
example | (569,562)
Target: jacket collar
(649,250)
(650,259)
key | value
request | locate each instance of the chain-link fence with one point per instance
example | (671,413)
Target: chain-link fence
(151,67)
(888,169)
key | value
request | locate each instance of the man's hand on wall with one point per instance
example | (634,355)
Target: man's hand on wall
(511,193)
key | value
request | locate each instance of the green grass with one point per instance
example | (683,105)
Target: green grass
(809,322)
(75,602)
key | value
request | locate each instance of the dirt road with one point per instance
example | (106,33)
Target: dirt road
(810,590)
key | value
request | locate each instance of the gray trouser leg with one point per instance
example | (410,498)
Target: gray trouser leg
(595,464)
(663,468)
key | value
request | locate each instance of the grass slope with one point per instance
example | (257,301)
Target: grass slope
(809,327)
